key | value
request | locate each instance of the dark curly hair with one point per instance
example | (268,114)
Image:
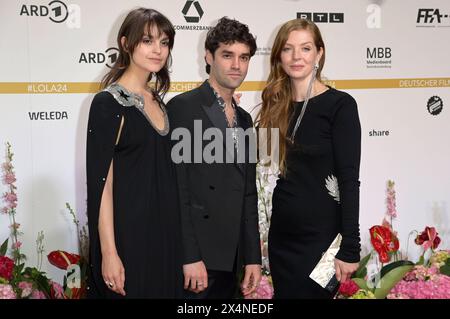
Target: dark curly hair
(228,31)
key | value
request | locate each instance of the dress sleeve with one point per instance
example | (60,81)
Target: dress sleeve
(105,116)
(346,136)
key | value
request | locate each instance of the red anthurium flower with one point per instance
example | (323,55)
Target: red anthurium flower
(62,259)
(428,238)
(384,242)
(6,267)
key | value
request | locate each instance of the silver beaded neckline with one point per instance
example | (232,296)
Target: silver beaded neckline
(127,99)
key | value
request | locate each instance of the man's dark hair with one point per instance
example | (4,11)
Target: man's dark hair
(228,31)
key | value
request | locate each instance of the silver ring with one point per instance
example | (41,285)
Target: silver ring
(110,284)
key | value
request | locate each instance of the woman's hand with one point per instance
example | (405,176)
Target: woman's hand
(113,273)
(344,270)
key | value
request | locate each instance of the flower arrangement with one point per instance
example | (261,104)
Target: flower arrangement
(20,282)
(264,179)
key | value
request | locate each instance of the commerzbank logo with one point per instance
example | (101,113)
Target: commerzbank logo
(192,11)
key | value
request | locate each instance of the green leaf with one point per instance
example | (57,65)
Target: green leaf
(362,270)
(361,283)
(4,248)
(390,279)
(421,260)
(445,269)
(394,265)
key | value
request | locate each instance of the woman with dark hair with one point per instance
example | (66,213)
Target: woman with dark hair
(317,194)
(133,218)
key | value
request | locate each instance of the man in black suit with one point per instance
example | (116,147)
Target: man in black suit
(218,196)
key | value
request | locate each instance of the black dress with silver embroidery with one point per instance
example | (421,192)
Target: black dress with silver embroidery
(146,212)
(319,195)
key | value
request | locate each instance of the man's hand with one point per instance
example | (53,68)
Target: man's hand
(195,277)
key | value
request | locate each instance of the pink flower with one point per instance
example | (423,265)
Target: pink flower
(390,200)
(7,166)
(348,288)
(11,199)
(9,178)
(264,290)
(428,238)
(14,226)
(7,292)
(5,210)
(26,287)
(37,294)
(437,287)
(57,291)
(17,245)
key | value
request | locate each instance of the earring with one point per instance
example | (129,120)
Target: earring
(316,66)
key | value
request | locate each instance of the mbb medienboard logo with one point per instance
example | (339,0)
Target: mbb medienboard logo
(378,57)
(56,11)
(192,13)
(109,57)
(432,18)
(322,17)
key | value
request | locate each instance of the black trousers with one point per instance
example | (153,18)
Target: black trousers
(221,285)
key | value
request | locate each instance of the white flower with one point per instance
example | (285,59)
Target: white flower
(331,183)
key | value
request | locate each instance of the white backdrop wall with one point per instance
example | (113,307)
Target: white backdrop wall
(47,82)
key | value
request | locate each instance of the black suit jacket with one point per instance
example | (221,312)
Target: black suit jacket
(218,200)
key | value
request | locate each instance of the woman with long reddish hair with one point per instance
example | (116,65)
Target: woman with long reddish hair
(317,194)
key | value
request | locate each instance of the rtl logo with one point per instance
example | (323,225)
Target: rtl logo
(322,17)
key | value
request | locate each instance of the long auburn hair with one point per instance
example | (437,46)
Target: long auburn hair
(133,29)
(277,96)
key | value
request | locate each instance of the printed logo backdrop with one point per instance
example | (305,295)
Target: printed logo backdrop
(392,56)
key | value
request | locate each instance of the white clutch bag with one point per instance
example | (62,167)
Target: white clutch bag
(324,273)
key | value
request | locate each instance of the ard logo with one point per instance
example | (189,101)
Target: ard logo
(57,11)
(109,57)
